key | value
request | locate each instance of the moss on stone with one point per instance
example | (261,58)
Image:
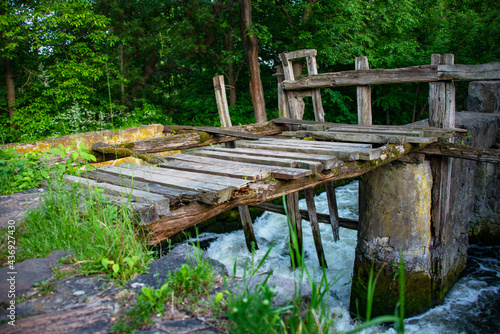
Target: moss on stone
(418,297)
(128,145)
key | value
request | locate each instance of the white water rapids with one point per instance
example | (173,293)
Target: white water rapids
(472,306)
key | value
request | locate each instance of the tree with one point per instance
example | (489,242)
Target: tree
(252,52)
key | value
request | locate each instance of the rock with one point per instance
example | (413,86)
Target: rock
(27,273)
(180,326)
(80,319)
(67,293)
(172,262)
(14,207)
(484,96)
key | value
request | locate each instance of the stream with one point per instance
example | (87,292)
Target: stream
(472,306)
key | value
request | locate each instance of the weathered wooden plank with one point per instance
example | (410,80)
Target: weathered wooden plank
(306,143)
(374,130)
(428,131)
(143,214)
(454,150)
(175,195)
(210,193)
(327,161)
(313,216)
(283,173)
(246,222)
(162,203)
(315,167)
(229,170)
(363,94)
(209,179)
(299,54)
(332,208)
(421,140)
(342,153)
(348,137)
(489,71)
(230,133)
(199,138)
(424,73)
(322,218)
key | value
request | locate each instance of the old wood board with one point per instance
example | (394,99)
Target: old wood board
(308,143)
(327,161)
(175,195)
(210,193)
(429,131)
(342,153)
(315,167)
(162,203)
(282,173)
(224,181)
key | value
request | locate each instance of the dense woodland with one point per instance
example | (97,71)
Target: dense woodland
(83,65)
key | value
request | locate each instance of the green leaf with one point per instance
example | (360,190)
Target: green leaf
(116,268)
(75,155)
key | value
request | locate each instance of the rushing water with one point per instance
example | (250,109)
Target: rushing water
(472,306)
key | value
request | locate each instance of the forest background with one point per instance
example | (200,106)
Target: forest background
(85,65)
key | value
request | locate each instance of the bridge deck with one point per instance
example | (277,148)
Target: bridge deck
(191,187)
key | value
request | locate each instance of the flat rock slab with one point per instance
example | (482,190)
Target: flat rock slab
(14,207)
(172,262)
(80,319)
(181,327)
(27,273)
(67,293)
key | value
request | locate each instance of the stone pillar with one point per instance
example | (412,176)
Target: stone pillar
(395,217)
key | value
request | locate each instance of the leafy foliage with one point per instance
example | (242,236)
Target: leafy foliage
(89,65)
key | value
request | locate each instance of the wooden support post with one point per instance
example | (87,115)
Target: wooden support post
(332,207)
(220,97)
(282,108)
(364,95)
(441,115)
(313,218)
(225,120)
(312,68)
(293,212)
(246,221)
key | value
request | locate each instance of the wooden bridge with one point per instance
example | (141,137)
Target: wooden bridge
(192,187)
(238,167)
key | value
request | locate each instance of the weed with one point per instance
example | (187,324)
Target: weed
(44,287)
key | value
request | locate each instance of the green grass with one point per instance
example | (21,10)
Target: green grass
(102,235)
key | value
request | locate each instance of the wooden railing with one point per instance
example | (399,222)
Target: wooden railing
(441,74)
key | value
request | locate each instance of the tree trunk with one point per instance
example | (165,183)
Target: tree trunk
(252,51)
(11,88)
(122,77)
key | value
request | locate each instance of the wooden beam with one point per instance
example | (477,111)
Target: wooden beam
(313,216)
(199,138)
(322,218)
(489,71)
(454,150)
(422,73)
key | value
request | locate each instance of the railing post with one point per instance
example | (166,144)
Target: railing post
(364,95)
(220,97)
